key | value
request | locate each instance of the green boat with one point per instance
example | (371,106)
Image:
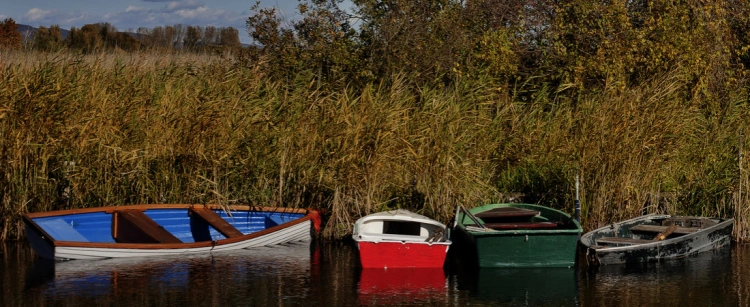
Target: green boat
(516,235)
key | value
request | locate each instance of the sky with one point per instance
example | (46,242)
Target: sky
(128,15)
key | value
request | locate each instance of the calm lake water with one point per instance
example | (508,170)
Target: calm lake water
(329,275)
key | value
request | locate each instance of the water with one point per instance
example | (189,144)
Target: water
(329,275)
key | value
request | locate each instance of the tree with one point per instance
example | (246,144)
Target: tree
(145,38)
(10,38)
(230,38)
(48,39)
(124,41)
(210,36)
(323,39)
(192,37)
(92,41)
(179,36)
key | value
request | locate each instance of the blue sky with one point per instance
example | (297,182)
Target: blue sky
(132,14)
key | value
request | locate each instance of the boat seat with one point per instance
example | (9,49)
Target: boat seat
(134,226)
(507,212)
(61,231)
(660,229)
(623,241)
(519,225)
(217,222)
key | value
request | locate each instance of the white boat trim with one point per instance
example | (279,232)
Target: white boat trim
(427,226)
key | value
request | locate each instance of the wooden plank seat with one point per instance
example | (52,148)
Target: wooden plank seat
(519,225)
(506,212)
(134,226)
(660,229)
(622,241)
(217,222)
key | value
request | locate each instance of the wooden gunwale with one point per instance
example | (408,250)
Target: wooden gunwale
(29,216)
(517,225)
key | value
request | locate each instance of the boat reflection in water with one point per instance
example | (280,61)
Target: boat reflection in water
(691,281)
(402,286)
(522,286)
(221,278)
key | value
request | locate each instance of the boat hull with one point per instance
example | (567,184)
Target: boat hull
(288,230)
(710,238)
(402,254)
(520,247)
(400,239)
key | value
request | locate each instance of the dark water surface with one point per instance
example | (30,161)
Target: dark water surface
(329,275)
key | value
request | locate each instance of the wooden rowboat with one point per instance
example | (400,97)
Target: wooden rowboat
(164,229)
(400,239)
(516,235)
(655,237)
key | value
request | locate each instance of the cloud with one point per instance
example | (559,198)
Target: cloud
(37,16)
(175,6)
(131,9)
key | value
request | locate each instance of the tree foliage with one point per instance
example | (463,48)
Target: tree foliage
(48,39)
(10,38)
(571,45)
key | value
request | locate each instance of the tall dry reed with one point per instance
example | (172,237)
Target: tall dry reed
(81,131)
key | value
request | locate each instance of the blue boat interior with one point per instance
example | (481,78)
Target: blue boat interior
(97,226)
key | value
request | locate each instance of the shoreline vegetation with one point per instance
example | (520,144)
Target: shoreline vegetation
(115,129)
(424,105)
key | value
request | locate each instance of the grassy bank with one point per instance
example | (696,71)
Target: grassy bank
(121,129)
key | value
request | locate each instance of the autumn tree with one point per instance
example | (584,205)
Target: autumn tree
(230,39)
(210,36)
(48,39)
(10,38)
(322,39)
(123,41)
(100,37)
(144,37)
(192,38)
(326,39)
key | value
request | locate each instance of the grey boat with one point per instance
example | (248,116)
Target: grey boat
(655,237)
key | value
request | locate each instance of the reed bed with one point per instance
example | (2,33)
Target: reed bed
(114,129)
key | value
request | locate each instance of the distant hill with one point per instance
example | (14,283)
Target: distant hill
(28,32)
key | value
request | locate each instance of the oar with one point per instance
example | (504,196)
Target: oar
(578,203)
(471,216)
(666,233)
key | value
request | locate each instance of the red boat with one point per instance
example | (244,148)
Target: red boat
(400,239)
